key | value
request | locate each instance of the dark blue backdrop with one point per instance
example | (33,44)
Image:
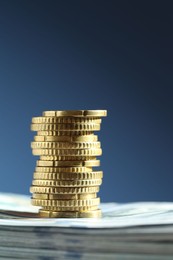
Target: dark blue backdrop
(114,55)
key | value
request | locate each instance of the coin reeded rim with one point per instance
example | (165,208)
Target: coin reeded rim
(72,169)
(68,175)
(65,203)
(65,120)
(67,183)
(65,127)
(77,208)
(65,145)
(64,190)
(68,152)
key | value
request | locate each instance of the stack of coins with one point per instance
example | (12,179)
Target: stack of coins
(64,182)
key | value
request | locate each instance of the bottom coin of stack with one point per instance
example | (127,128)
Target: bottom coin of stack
(66,192)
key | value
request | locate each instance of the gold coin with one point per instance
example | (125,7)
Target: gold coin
(68,183)
(68,175)
(79,209)
(66,120)
(65,145)
(64,133)
(66,158)
(60,214)
(65,127)
(81,138)
(68,152)
(64,196)
(65,203)
(90,163)
(76,113)
(64,190)
(63,169)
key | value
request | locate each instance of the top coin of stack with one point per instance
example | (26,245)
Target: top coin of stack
(64,183)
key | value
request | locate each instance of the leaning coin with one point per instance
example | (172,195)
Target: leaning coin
(64,190)
(84,196)
(60,214)
(65,203)
(67,183)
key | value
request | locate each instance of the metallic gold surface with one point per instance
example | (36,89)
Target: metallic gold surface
(64,183)
(90,163)
(67,183)
(68,152)
(68,176)
(64,190)
(80,209)
(44,196)
(76,113)
(65,203)
(65,127)
(65,120)
(64,133)
(60,214)
(65,145)
(66,158)
(80,138)
(64,169)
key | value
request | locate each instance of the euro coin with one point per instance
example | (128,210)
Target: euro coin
(65,120)
(80,209)
(64,133)
(60,214)
(43,196)
(80,138)
(68,152)
(65,145)
(65,203)
(64,190)
(76,113)
(67,183)
(65,127)
(66,158)
(64,169)
(68,176)
(90,163)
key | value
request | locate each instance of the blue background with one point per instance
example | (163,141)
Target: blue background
(114,55)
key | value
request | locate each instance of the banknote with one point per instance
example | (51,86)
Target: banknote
(127,231)
(114,214)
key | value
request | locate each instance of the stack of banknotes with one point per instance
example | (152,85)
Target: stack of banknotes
(125,231)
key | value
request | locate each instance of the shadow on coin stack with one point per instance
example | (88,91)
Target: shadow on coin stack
(64,183)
